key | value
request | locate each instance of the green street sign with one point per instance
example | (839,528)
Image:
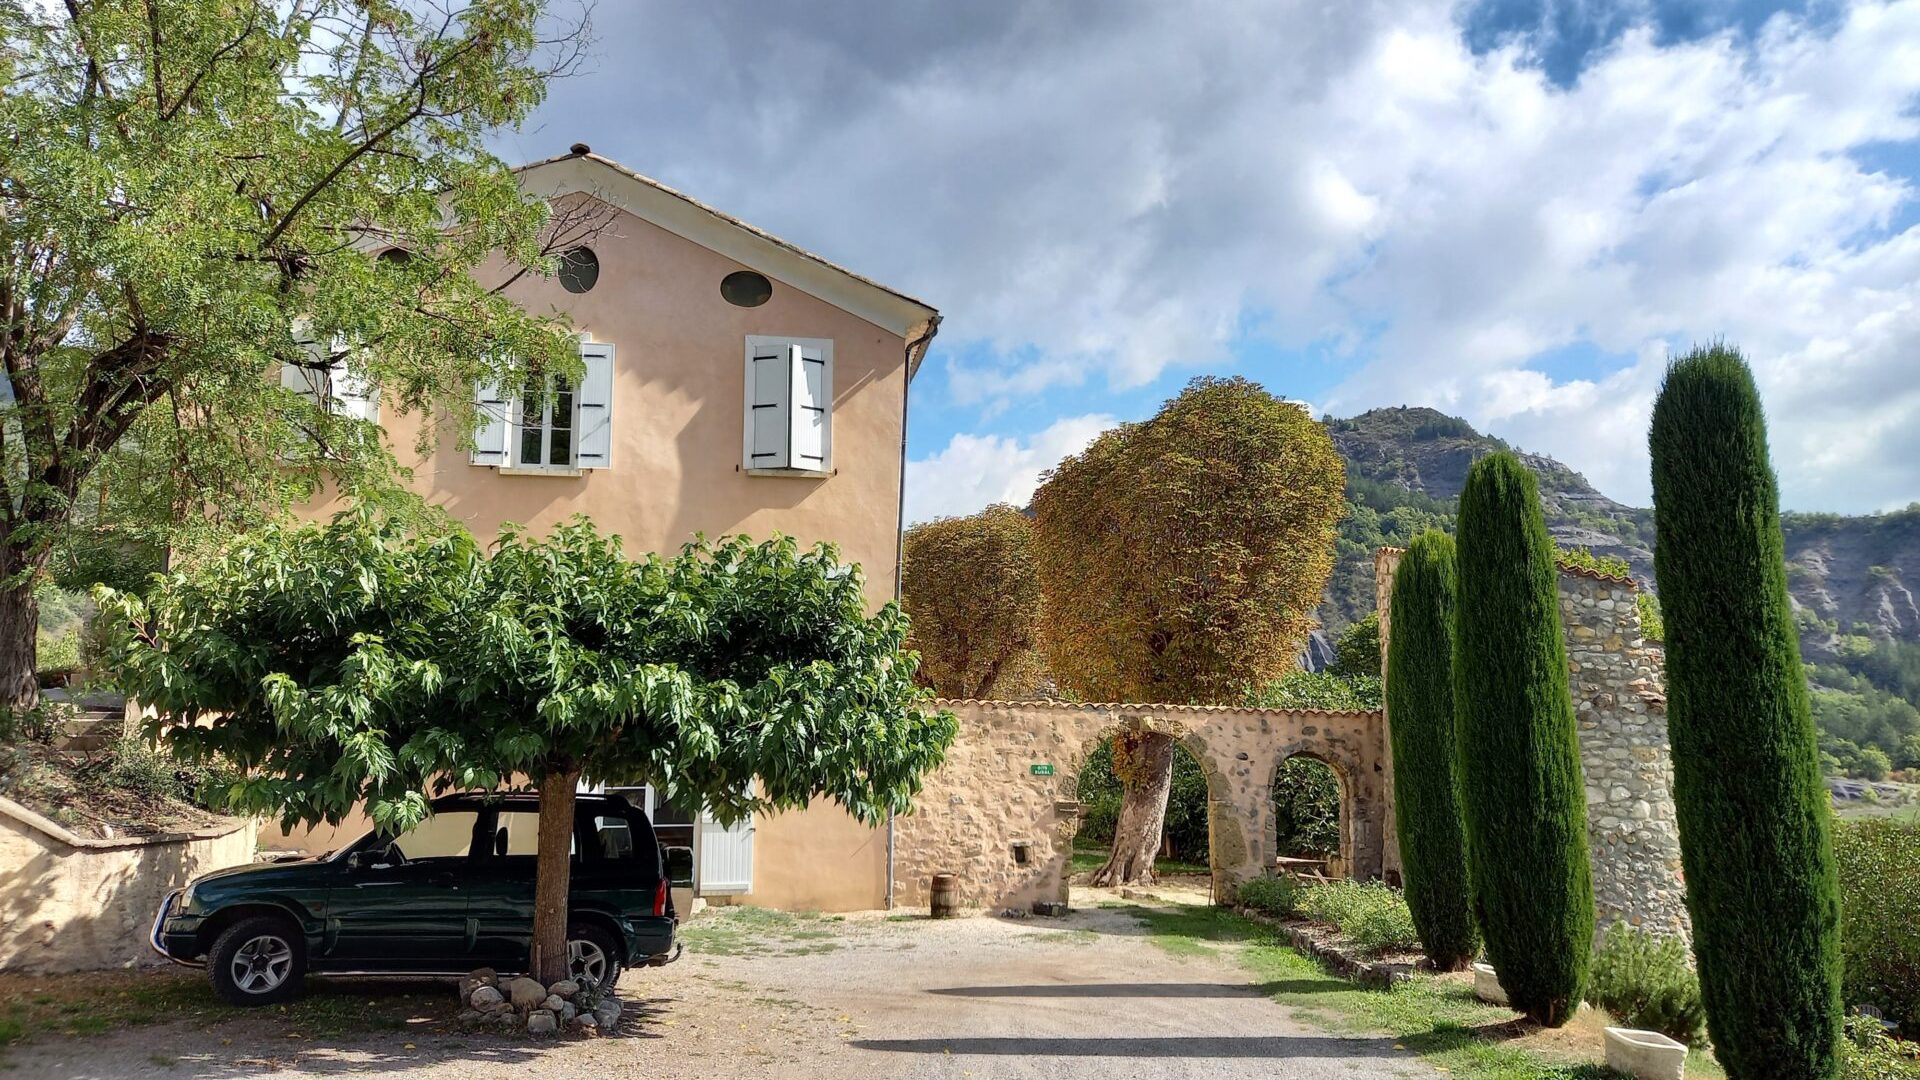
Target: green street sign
(1041,770)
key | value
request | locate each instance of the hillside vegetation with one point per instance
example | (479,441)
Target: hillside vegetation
(1859,621)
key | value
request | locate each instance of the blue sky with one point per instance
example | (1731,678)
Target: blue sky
(1507,209)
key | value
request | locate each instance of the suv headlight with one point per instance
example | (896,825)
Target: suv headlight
(186,895)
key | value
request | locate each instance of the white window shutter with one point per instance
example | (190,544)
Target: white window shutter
(769,405)
(595,401)
(725,859)
(353,394)
(495,416)
(308,382)
(812,407)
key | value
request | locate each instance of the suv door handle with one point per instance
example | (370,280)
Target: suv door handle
(443,877)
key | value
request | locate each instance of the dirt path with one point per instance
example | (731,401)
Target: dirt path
(773,996)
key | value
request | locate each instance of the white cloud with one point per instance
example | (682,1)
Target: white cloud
(976,470)
(1098,190)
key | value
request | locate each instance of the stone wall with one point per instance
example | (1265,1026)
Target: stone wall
(1006,830)
(72,903)
(1620,704)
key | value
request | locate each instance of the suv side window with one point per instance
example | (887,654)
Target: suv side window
(613,837)
(445,835)
(518,833)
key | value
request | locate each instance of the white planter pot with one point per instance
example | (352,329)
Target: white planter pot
(1486,985)
(1648,1055)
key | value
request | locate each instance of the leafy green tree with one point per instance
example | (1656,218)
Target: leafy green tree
(1356,651)
(360,663)
(1181,559)
(1521,790)
(192,197)
(1753,813)
(969,586)
(1318,690)
(1426,804)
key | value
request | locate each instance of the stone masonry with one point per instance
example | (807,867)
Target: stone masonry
(995,816)
(1620,704)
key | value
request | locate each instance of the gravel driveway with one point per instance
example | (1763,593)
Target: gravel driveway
(866,997)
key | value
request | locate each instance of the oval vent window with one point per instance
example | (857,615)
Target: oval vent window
(579,269)
(744,288)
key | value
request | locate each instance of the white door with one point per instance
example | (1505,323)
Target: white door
(725,856)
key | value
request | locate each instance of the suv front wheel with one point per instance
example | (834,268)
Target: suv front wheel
(258,961)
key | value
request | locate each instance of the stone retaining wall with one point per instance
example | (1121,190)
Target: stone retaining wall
(72,903)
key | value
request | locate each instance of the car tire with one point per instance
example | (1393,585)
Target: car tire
(590,947)
(260,960)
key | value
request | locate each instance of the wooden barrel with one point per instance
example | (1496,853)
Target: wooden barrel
(944,897)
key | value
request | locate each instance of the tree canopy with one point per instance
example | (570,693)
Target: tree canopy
(1182,557)
(970,587)
(193,198)
(359,661)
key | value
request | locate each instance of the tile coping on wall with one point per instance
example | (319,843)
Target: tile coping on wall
(1152,707)
(70,838)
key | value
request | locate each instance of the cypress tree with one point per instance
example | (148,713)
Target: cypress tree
(1426,804)
(1754,836)
(1520,782)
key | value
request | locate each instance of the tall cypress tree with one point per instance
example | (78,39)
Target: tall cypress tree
(1519,750)
(1746,776)
(1426,804)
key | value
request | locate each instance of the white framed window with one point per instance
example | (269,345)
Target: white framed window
(789,406)
(566,430)
(325,381)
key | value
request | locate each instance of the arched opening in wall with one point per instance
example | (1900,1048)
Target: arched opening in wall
(1312,818)
(1181,845)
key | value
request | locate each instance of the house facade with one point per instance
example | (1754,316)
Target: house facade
(733,384)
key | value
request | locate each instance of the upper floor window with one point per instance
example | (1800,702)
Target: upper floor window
(325,380)
(568,428)
(789,421)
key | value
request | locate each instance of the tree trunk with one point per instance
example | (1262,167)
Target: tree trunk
(1143,760)
(553,868)
(19,629)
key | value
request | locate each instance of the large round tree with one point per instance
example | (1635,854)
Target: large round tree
(1746,775)
(1426,803)
(968,583)
(359,664)
(1181,559)
(1520,781)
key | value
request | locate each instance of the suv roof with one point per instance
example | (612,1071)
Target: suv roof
(528,799)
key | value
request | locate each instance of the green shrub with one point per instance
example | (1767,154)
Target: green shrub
(1374,917)
(1426,804)
(1306,808)
(57,654)
(1879,872)
(1746,773)
(40,724)
(1522,794)
(1277,896)
(1867,1053)
(1653,626)
(1646,982)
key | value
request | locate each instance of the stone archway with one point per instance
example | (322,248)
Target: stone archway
(1001,812)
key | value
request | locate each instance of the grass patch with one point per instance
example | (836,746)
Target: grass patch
(95,1003)
(1090,855)
(1437,1019)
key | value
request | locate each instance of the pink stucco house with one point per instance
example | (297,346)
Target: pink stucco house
(734,383)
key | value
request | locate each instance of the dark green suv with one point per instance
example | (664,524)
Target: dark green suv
(452,894)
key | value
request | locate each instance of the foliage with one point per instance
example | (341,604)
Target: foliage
(1318,690)
(1583,558)
(1752,810)
(1522,795)
(1356,652)
(1879,872)
(1865,698)
(361,662)
(192,194)
(1426,802)
(57,654)
(1278,896)
(38,723)
(1100,794)
(1371,915)
(1653,625)
(1646,981)
(1869,1053)
(1306,808)
(1181,557)
(969,585)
